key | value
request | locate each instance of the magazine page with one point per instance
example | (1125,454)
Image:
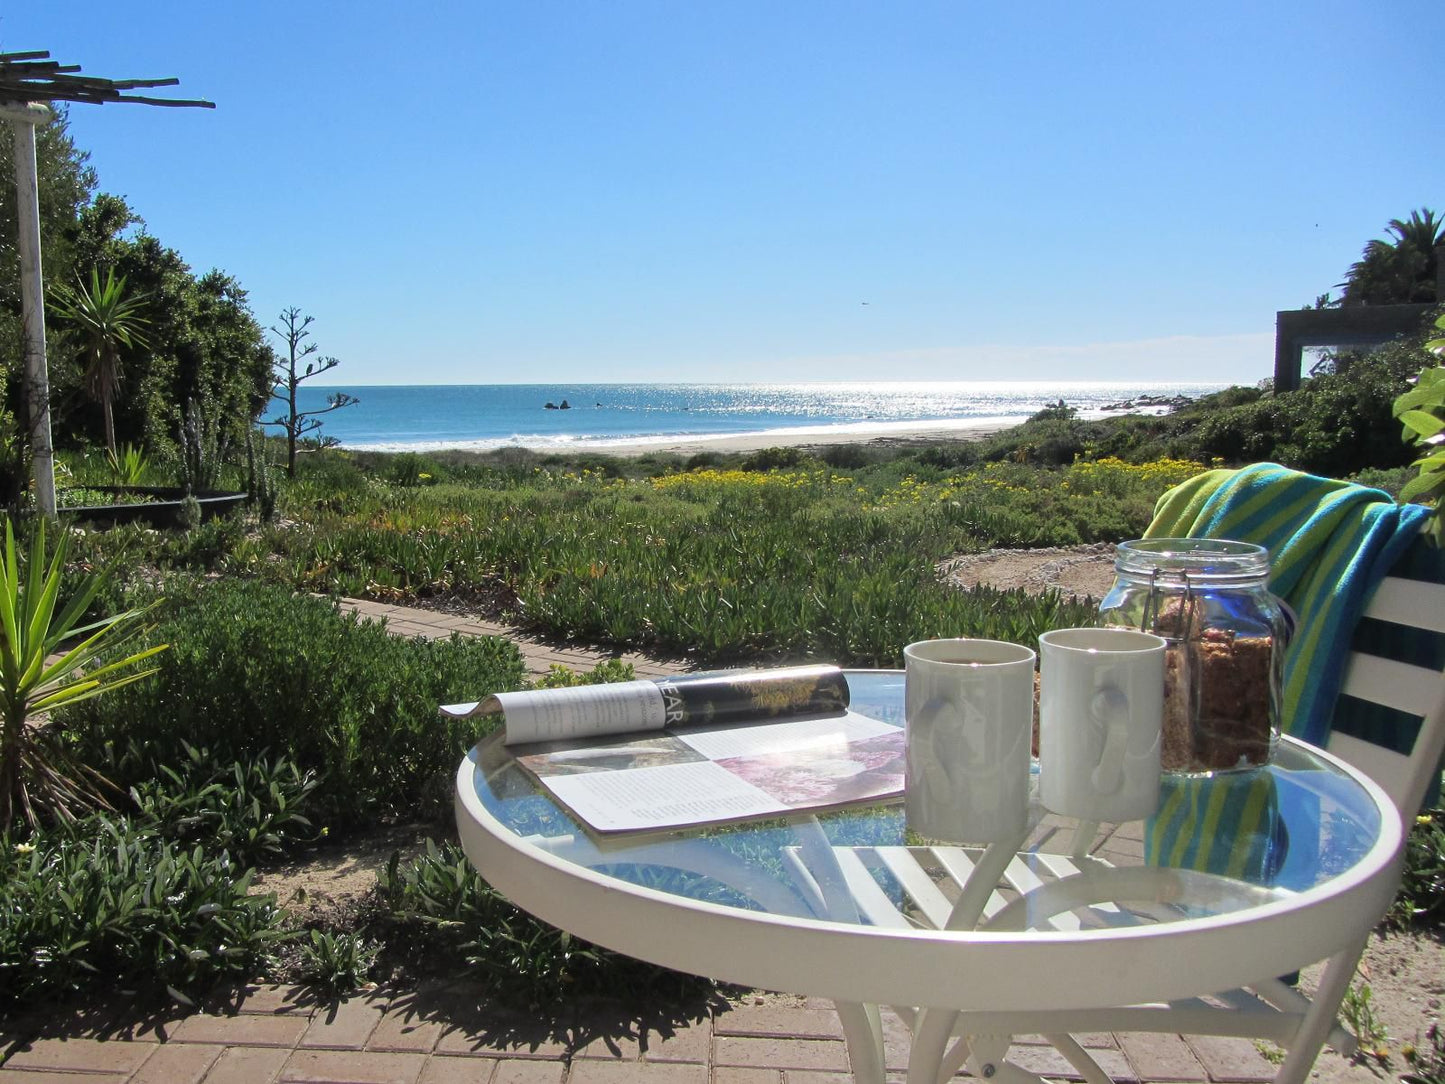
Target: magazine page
(723,773)
(681,700)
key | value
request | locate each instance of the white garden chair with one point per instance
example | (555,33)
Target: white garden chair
(1401,611)
(1274,1010)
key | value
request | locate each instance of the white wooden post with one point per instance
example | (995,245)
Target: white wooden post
(23,120)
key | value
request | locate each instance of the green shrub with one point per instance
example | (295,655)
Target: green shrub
(606,672)
(202,445)
(1420,903)
(51,658)
(110,903)
(1219,400)
(848,456)
(787,458)
(203,545)
(252,811)
(527,963)
(330,470)
(1426,1066)
(337,963)
(1391,481)
(1421,410)
(948,456)
(411,469)
(254,668)
(128,468)
(703,460)
(1334,424)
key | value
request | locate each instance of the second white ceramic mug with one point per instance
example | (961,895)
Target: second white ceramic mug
(1101,703)
(969,711)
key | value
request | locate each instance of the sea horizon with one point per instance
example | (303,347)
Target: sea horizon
(599,415)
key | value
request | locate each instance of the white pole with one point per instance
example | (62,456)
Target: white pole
(32,292)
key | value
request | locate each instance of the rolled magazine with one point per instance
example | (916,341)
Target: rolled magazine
(712,699)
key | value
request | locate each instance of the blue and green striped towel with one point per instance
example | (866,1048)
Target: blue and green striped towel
(1330,543)
(1230,825)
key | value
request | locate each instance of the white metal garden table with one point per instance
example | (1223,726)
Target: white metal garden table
(840,905)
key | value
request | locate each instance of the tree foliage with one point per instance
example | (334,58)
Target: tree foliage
(1421,411)
(203,344)
(1400,270)
(66,184)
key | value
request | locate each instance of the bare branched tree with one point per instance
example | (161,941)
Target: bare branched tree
(291,370)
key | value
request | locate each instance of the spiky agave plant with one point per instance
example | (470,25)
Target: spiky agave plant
(46,660)
(128,466)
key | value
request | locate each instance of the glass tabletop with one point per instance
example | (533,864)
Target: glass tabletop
(1220,844)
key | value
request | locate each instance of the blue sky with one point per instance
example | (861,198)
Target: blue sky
(533,191)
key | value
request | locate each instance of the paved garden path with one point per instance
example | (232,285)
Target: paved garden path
(538,656)
(448,1034)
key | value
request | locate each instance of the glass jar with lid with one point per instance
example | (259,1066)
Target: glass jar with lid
(1210,600)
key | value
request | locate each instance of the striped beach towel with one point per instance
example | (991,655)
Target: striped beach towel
(1330,543)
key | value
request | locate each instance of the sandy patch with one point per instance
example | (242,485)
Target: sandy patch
(1074,570)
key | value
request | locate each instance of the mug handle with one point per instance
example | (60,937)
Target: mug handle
(947,746)
(1110,709)
(935,774)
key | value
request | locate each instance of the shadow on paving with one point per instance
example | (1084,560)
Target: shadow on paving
(90,1020)
(566,1028)
(467,1017)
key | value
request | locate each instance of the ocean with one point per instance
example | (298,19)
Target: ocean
(481,417)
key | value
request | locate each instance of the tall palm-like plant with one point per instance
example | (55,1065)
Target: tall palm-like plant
(1400,270)
(46,657)
(108,320)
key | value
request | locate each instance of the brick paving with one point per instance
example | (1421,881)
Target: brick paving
(444,1033)
(448,1034)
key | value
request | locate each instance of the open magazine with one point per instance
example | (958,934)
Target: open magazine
(700,748)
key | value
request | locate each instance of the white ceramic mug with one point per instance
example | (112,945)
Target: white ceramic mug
(968,706)
(1101,702)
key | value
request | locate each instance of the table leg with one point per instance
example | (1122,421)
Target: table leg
(863,1032)
(982,882)
(1080,1059)
(932,1029)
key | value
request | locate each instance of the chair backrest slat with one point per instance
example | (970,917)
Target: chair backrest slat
(1397,685)
(1390,769)
(1409,602)
(1416,691)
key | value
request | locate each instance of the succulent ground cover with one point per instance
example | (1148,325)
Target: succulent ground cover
(725,564)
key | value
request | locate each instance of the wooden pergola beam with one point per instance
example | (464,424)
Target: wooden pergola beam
(34,77)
